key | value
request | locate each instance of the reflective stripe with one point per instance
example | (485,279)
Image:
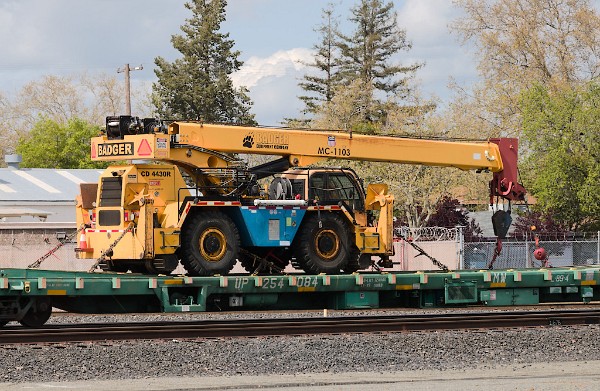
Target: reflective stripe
(104,230)
(218,203)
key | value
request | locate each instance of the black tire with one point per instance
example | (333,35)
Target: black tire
(38,314)
(210,244)
(324,249)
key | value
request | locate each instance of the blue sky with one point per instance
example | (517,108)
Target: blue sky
(71,36)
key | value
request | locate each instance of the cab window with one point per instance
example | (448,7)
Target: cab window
(316,189)
(342,188)
(331,188)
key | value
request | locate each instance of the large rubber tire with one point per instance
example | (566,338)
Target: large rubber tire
(324,249)
(38,314)
(210,244)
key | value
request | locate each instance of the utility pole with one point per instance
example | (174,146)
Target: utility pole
(126,69)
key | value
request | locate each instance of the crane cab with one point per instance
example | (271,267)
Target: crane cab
(323,186)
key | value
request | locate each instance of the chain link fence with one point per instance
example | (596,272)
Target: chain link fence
(450,248)
(519,254)
(20,248)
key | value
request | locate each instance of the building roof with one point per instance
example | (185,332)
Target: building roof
(43,184)
(20,212)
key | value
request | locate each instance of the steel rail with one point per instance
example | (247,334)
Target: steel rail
(294,326)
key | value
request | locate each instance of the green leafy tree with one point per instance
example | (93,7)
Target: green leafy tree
(198,85)
(562,128)
(52,145)
(521,43)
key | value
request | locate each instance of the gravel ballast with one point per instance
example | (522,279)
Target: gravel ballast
(386,352)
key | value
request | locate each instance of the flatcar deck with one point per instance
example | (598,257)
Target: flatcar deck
(125,292)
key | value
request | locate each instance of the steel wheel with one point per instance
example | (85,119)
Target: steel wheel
(327,244)
(210,244)
(38,313)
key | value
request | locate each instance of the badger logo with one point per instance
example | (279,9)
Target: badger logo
(248,141)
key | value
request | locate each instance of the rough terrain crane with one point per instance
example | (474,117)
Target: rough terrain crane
(203,207)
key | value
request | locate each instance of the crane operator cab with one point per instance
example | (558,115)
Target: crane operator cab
(322,187)
(326,186)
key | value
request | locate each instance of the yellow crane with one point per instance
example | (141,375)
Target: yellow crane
(320,219)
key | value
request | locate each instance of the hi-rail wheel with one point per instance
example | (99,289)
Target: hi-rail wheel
(162,265)
(326,248)
(279,258)
(115,266)
(38,313)
(210,244)
(354,260)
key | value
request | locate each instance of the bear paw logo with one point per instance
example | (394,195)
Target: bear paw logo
(248,141)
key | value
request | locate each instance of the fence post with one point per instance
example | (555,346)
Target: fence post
(527,254)
(12,247)
(461,248)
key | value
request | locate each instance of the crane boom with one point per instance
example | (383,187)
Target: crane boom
(304,147)
(191,144)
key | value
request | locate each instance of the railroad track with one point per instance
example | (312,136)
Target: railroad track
(295,326)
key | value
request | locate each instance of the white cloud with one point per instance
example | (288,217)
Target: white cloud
(276,98)
(273,83)
(59,37)
(279,64)
(426,24)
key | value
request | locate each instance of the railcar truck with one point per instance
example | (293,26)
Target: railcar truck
(177,193)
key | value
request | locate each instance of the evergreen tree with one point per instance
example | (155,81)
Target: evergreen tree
(326,61)
(198,85)
(367,54)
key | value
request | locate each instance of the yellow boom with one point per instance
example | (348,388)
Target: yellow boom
(197,145)
(300,146)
